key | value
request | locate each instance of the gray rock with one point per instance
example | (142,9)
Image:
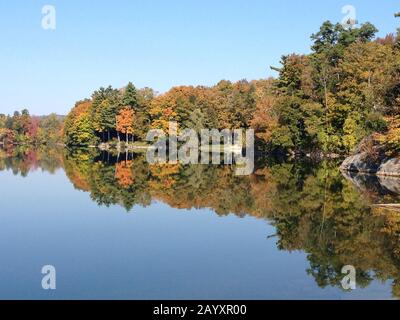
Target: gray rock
(360,162)
(363,163)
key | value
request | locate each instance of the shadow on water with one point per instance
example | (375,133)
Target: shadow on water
(315,208)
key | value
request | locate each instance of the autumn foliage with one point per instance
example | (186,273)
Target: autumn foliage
(124,121)
(23,129)
(326,102)
(123,173)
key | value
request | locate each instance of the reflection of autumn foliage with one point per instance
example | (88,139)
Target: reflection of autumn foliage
(77,167)
(313,207)
(324,215)
(163,175)
(164,170)
(262,183)
(23,160)
(123,173)
(391,228)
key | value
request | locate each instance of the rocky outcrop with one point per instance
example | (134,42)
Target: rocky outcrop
(363,163)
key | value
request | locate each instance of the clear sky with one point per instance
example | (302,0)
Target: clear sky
(159,44)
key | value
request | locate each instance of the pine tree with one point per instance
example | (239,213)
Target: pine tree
(130,97)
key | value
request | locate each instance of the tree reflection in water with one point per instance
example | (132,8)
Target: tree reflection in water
(314,207)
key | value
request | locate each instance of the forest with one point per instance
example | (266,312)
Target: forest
(343,95)
(23,129)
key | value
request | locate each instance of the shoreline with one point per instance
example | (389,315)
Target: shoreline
(362,163)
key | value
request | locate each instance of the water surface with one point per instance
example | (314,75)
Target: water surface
(122,229)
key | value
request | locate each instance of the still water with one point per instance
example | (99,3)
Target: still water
(123,229)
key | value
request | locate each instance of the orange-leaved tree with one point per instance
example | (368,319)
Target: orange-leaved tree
(124,121)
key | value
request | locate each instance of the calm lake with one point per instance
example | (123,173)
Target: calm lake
(124,229)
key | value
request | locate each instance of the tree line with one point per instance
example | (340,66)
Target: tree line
(23,129)
(344,94)
(347,90)
(126,115)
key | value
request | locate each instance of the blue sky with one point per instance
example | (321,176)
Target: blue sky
(159,44)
